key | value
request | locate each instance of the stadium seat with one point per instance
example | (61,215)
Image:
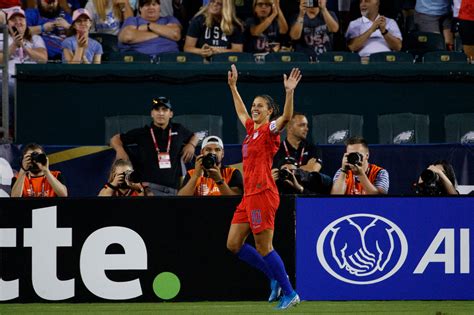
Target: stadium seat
(419,43)
(123,123)
(445,57)
(202,125)
(339,57)
(129,57)
(233,57)
(403,128)
(109,44)
(391,57)
(459,128)
(180,57)
(286,57)
(336,128)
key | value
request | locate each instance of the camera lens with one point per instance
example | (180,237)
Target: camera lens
(429,177)
(354,158)
(38,158)
(283,174)
(209,161)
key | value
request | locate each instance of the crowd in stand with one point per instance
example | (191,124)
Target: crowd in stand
(210,27)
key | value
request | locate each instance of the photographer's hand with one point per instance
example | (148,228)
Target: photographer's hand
(275,174)
(293,182)
(345,165)
(214,173)
(26,163)
(118,179)
(198,169)
(438,169)
(44,168)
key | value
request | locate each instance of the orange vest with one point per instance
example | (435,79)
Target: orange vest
(38,186)
(354,187)
(206,186)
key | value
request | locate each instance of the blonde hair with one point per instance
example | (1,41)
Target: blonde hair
(101,8)
(116,164)
(228,19)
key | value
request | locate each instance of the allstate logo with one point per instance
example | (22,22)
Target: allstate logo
(362,248)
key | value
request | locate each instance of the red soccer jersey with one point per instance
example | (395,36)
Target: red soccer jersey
(258,150)
(466,12)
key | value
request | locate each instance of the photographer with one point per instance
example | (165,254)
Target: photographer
(123,181)
(437,180)
(210,177)
(356,175)
(291,179)
(34,178)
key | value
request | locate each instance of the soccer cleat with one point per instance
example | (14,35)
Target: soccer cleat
(276,291)
(288,301)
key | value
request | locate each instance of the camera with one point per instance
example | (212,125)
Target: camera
(430,185)
(131,176)
(209,161)
(300,175)
(355,158)
(38,158)
(429,177)
(311,3)
(283,174)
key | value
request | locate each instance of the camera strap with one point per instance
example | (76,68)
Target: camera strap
(164,160)
(288,153)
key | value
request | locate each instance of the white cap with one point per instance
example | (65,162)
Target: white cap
(212,139)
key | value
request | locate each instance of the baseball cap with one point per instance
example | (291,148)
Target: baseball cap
(77,13)
(161,101)
(14,11)
(212,139)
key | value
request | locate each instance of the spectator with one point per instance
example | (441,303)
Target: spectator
(466,28)
(372,32)
(312,29)
(34,178)
(122,182)
(69,5)
(438,179)
(209,177)
(306,155)
(49,21)
(149,33)
(356,175)
(23,47)
(108,15)
(214,29)
(161,146)
(79,48)
(435,16)
(264,29)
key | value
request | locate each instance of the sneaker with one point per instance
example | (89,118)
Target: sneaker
(288,301)
(276,291)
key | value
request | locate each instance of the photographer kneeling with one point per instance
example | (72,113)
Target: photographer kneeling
(437,180)
(291,179)
(123,181)
(209,177)
(357,176)
(34,178)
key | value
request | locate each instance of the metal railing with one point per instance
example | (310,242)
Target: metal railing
(5,126)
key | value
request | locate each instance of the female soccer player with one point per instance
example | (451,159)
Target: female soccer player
(256,212)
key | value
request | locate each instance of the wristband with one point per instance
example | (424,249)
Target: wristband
(220,182)
(42,28)
(384,33)
(109,185)
(343,170)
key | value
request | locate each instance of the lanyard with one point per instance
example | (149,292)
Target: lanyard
(32,192)
(288,153)
(156,145)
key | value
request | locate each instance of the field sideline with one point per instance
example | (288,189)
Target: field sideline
(333,308)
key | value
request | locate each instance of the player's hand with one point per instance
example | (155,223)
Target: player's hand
(232,76)
(292,80)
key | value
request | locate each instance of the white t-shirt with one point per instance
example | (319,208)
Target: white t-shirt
(20,56)
(376,42)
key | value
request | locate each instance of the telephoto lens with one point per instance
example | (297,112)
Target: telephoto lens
(429,177)
(38,158)
(209,161)
(354,158)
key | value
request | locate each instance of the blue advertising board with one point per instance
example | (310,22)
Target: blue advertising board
(384,248)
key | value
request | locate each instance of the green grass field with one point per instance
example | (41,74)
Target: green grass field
(350,307)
